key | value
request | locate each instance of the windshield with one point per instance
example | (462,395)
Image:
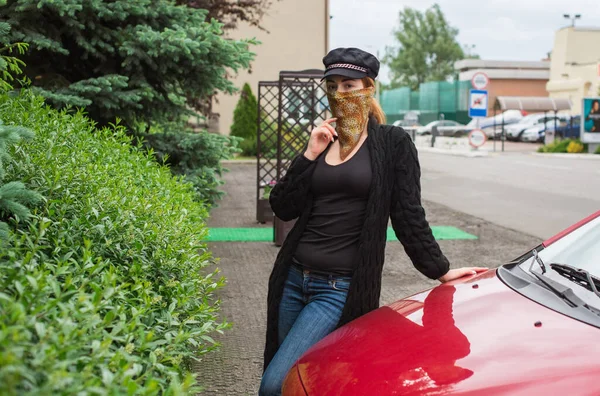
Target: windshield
(580,249)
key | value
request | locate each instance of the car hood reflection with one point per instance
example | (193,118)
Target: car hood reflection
(455,339)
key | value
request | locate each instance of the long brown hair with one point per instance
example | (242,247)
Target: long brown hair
(376,110)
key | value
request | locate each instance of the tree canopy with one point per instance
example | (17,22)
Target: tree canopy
(427,48)
(231,12)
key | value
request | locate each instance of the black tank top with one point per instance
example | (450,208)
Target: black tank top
(329,243)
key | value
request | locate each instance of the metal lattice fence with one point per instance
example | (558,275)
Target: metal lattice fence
(288,109)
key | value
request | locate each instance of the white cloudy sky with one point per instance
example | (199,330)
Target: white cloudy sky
(499,29)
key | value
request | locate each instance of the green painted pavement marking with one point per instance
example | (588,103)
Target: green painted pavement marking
(266,234)
(240,235)
(440,233)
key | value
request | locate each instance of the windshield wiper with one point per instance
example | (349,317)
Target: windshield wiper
(560,290)
(579,276)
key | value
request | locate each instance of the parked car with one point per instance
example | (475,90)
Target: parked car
(529,327)
(406,124)
(444,127)
(515,131)
(488,124)
(537,132)
(410,126)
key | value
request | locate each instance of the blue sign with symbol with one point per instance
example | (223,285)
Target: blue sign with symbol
(478,103)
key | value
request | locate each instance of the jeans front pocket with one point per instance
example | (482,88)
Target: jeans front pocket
(340,284)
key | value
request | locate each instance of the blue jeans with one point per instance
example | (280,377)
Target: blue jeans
(310,308)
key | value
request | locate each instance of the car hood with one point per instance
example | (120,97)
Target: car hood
(476,337)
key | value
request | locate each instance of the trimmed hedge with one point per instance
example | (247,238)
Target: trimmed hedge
(104,290)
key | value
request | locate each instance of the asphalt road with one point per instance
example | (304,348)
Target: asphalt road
(536,195)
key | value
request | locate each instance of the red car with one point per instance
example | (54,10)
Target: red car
(530,327)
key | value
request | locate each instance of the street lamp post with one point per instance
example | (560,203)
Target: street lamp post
(572,18)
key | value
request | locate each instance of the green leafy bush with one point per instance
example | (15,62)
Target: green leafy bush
(197,156)
(561,146)
(575,147)
(245,121)
(105,290)
(597,150)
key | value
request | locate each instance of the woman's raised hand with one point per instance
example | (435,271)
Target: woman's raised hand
(457,273)
(320,137)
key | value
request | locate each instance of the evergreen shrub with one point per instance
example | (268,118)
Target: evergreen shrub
(245,121)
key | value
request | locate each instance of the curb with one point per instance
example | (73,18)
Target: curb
(459,153)
(567,155)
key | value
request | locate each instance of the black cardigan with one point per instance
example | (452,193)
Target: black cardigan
(395,193)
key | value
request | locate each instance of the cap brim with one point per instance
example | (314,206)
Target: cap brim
(345,73)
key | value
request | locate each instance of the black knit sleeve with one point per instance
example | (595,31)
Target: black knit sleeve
(288,197)
(408,216)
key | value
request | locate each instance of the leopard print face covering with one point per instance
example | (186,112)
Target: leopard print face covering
(352,112)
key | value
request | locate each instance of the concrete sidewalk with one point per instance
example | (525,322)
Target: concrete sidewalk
(459,146)
(236,368)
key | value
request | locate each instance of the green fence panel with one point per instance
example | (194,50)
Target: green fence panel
(447,99)
(395,100)
(414,100)
(429,97)
(462,103)
(431,100)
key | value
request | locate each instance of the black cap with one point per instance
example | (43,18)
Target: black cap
(350,62)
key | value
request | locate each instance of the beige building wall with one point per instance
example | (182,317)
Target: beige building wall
(297,40)
(574,72)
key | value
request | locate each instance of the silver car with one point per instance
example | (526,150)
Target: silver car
(444,127)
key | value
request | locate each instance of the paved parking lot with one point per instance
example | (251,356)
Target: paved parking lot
(236,368)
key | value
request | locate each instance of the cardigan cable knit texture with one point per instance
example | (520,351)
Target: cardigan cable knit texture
(395,193)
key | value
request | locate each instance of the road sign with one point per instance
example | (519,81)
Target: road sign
(477,138)
(480,80)
(478,103)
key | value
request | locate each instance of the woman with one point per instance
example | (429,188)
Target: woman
(350,180)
